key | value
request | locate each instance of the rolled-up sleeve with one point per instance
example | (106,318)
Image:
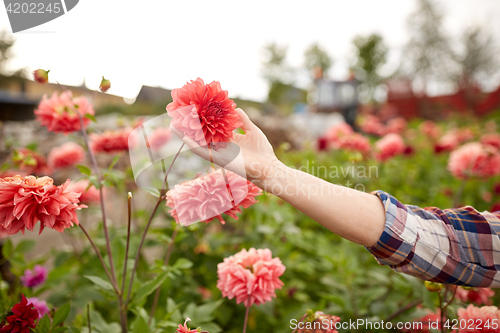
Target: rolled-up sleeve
(456,246)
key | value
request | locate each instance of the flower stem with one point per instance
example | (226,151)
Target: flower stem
(459,193)
(101,194)
(441,313)
(246,319)
(137,256)
(100,258)
(128,242)
(99,178)
(301,319)
(88,318)
(165,263)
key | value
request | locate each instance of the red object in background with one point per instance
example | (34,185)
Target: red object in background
(496,188)
(495,207)
(322,144)
(401,97)
(409,150)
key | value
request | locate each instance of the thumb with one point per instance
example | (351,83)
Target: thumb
(247,125)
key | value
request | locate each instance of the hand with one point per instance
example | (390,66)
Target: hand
(258,155)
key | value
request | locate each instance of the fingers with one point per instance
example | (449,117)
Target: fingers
(247,123)
(193,145)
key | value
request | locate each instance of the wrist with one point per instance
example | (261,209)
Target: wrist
(271,176)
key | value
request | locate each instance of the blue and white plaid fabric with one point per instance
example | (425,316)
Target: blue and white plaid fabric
(456,246)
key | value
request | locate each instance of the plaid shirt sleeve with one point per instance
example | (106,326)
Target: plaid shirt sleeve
(456,246)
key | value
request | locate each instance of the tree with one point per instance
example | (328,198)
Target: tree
(277,72)
(275,68)
(479,56)
(317,57)
(6,43)
(371,53)
(428,55)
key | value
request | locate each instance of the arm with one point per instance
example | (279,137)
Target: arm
(354,215)
(456,246)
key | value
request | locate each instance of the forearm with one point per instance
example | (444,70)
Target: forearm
(354,215)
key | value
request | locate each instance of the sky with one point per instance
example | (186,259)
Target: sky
(167,43)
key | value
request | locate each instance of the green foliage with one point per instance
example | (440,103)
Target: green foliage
(323,271)
(316,56)
(371,54)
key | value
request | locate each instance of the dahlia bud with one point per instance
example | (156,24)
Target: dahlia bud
(41,76)
(433,286)
(105,85)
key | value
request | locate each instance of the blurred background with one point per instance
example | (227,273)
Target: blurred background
(397,58)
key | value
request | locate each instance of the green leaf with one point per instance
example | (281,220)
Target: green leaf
(7,248)
(428,299)
(204,311)
(105,285)
(25,246)
(32,146)
(211,327)
(140,325)
(44,325)
(59,329)
(84,170)
(153,191)
(101,325)
(183,263)
(150,286)
(61,315)
(91,117)
(75,330)
(173,312)
(115,160)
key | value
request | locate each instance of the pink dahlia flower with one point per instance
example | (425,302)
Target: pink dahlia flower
(446,143)
(478,296)
(185,329)
(430,129)
(319,322)
(67,155)
(88,195)
(480,318)
(464,134)
(491,139)
(389,146)
(373,125)
(26,200)
(159,138)
(396,125)
(250,276)
(34,277)
(207,197)
(474,160)
(31,162)
(354,142)
(337,132)
(203,112)
(58,114)
(40,306)
(112,141)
